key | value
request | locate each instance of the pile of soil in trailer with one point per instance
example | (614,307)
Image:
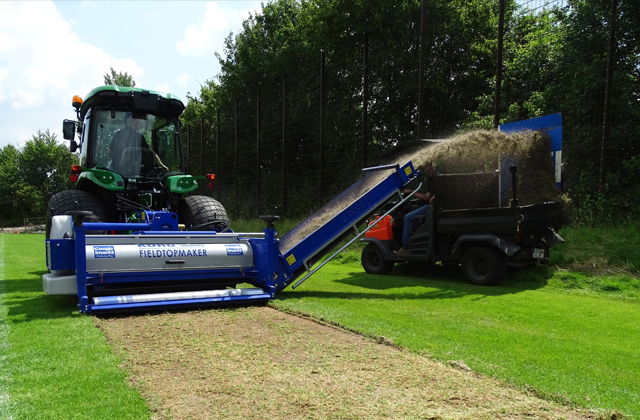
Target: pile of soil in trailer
(481,151)
(473,152)
(261,363)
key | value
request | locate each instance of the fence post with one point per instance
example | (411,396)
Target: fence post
(218,150)
(202,187)
(365,98)
(259,178)
(423,60)
(496,116)
(186,149)
(284,140)
(235,158)
(321,125)
(608,90)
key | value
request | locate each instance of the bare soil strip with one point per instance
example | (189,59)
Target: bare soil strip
(261,363)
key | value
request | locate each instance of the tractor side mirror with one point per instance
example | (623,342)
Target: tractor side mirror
(73,146)
(69,130)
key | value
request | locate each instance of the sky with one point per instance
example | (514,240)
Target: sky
(53,50)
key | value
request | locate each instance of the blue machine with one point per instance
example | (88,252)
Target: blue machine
(157,266)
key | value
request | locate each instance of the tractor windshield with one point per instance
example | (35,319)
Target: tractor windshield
(136,144)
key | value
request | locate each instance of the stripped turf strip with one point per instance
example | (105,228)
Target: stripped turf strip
(257,362)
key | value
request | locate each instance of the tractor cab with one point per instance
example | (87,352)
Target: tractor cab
(136,145)
(130,154)
(131,132)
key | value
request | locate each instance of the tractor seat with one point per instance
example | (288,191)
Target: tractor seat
(136,161)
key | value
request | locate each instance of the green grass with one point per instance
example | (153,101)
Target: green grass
(584,350)
(55,364)
(567,334)
(570,335)
(601,248)
(604,260)
(257,225)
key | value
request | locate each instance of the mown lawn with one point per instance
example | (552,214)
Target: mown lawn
(571,348)
(565,334)
(55,364)
(570,333)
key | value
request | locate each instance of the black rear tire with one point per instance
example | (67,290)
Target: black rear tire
(65,201)
(484,265)
(202,213)
(373,260)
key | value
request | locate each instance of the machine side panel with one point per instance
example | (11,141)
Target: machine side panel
(145,256)
(60,254)
(491,220)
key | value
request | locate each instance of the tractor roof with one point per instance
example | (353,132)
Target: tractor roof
(134,99)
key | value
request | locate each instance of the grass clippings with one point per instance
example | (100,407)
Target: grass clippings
(476,151)
(332,208)
(480,151)
(261,363)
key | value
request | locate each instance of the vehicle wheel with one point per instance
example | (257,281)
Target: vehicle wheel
(199,212)
(484,266)
(64,201)
(373,260)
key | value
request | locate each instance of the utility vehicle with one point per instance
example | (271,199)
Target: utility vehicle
(482,235)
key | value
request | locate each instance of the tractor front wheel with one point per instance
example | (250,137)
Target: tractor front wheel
(68,200)
(202,213)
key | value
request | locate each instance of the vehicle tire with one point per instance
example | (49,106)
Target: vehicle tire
(484,265)
(373,260)
(202,213)
(66,200)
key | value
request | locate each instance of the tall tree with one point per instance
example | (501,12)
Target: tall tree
(554,61)
(17,197)
(119,79)
(46,164)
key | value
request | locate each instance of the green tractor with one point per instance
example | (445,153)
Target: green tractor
(130,153)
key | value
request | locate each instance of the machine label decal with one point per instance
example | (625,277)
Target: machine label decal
(104,252)
(234,250)
(291,259)
(407,170)
(160,250)
(171,253)
(156,245)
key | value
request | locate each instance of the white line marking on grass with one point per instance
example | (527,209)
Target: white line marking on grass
(5,347)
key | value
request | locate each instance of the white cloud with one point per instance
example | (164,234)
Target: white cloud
(183,80)
(162,87)
(207,35)
(22,99)
(3,75)
(43,64)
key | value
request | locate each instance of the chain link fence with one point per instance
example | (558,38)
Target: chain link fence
(300,138)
